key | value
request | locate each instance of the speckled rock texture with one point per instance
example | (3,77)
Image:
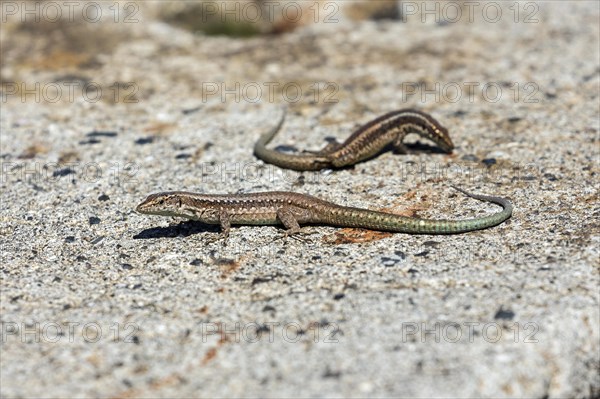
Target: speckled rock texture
(98,111)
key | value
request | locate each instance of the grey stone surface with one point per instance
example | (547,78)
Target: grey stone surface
(97,300)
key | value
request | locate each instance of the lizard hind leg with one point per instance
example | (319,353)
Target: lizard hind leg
(330,147)
(289,221)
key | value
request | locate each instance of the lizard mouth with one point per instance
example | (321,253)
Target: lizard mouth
(142,207)
(447,146)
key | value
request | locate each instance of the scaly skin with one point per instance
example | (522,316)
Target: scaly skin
(293,209)
(366,142)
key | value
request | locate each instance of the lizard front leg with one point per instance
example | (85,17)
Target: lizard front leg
(225,223)
(399,146)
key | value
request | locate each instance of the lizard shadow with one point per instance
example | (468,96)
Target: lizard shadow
(183,229)
(413,148)
(417,148)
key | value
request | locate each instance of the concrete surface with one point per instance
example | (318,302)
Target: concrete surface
(98,301)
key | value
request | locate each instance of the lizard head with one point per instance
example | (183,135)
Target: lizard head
(428,127)
(181,204)
(164,204)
